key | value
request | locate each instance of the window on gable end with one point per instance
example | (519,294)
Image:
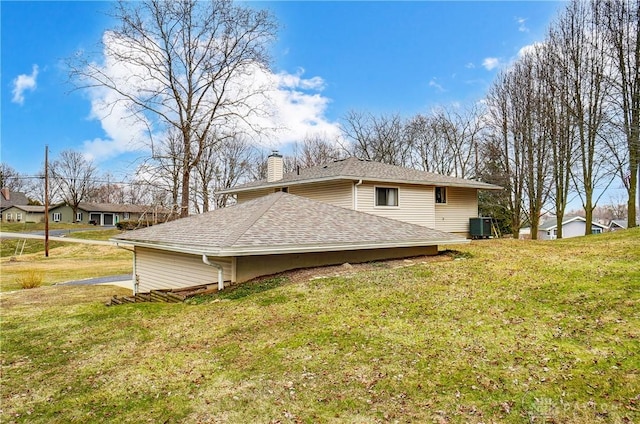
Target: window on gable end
(441,195)
(386,196)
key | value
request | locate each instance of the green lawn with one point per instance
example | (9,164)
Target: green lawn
(509,332)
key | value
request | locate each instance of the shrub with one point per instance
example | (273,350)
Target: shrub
(132,225)
(31,280)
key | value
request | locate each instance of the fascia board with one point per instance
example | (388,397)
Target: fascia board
(279,250)
(279,184)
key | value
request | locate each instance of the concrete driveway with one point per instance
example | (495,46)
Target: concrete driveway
(123,280)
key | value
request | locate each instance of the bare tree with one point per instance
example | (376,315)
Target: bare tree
(189,65)
(74,175)
(11,179)
(317,150)
(583,42)
(378,138)
(620,21)
(504,143)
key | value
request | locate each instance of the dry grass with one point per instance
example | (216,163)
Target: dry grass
(30,280)
(67,262)
(512,332)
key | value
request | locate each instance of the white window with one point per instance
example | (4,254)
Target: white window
(596,230)
(125,215)
(19,216)
(57,217)
(9,216)
(386,196)
(441,195)
(79,217)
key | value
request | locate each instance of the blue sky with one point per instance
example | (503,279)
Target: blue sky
(379,57)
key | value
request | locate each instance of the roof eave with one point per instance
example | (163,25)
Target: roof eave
(286,249)
(281,183)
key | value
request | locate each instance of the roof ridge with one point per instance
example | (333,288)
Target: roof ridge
(268,202)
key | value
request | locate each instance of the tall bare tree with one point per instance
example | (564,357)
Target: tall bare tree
(11,179)
(583,41)
(378,138)
(504,143)
(189,65)
(620,20)
(74,175)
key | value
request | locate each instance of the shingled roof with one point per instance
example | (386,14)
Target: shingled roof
(283,223)
(355,169)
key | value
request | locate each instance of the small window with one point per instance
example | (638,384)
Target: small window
(9,216)
(18,216)
(57,217)
(282,189)
(596,230)
(125,215)
(79,217)
(441,195)
(386,196)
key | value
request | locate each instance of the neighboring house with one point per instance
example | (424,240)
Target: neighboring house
(267,235)
(572,227)
(106,214)
(620,224)
(23,213)
(8,199)
(417,197)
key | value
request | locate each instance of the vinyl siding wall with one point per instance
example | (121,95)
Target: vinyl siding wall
(24,216)
(245,196)
(453,217)
(158,269)
(338,193)
(415,203)
(249,267)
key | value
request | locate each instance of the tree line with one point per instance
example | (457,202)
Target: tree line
(563,120)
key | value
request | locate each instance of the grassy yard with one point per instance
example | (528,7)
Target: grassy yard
(510,332)
(25,227)
(66,261)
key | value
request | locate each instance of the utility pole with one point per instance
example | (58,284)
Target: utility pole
(46,201)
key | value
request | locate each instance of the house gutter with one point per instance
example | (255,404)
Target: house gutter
(355,195)
(134,275)
(286,249)
(206,261)
(281,183)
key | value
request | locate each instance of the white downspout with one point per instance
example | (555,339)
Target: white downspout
(219,267)
(355,195)
(134,276)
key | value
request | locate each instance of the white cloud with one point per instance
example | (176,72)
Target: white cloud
(22,83)
(439,88)
(291,108)
(470,65)
(522,24)
(490,63)
(529,49)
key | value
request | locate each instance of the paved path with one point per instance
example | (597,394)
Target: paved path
(123,280)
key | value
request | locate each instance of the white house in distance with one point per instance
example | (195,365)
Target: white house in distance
(423,198)
(572,227)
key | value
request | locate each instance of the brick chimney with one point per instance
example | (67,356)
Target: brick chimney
(275,167)
(6,193)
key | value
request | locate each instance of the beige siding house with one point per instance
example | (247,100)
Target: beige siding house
(266,235)
(22,213)
(432,200)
